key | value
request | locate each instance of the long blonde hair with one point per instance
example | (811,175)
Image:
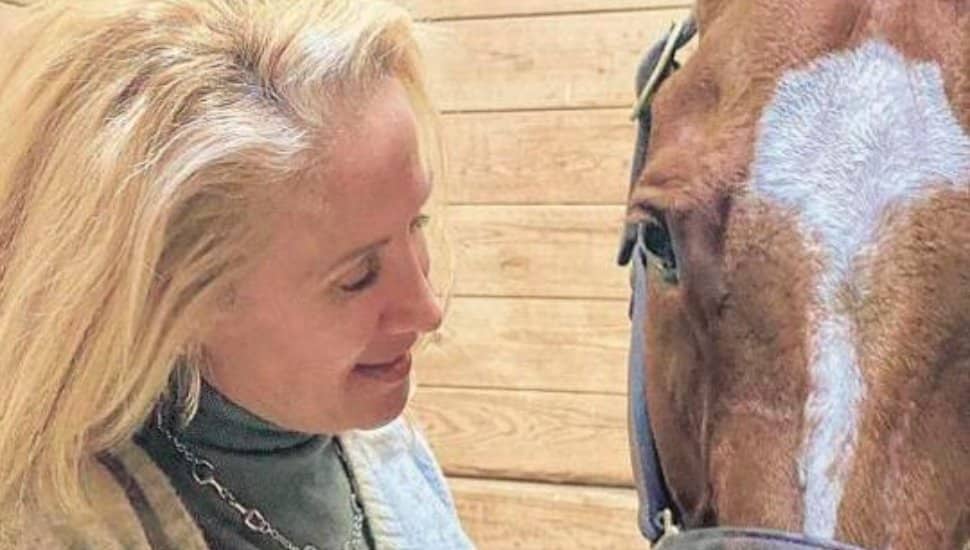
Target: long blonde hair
(139,138)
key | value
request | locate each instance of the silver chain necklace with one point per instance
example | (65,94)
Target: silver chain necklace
(203,473)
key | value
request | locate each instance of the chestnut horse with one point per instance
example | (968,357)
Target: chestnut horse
(804,211)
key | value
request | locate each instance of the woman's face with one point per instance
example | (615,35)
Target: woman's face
(319,335)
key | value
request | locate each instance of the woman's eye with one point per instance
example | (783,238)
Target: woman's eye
(367,274)
(363,277)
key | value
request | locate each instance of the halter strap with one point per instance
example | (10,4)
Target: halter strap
(652,492)
(657,510)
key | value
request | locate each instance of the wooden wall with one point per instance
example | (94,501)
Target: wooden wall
(523,393)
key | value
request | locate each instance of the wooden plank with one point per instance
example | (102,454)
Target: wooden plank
(565,157)
(543,62)
(439,9)
(554,345)
(523,435)
(537,251)
(501,515)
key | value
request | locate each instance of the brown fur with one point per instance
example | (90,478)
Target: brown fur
(728,378)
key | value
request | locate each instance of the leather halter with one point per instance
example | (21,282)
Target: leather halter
(658,513)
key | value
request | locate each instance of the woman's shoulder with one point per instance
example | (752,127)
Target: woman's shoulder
(112,526)
(136,509)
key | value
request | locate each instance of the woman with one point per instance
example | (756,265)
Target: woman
(212,272)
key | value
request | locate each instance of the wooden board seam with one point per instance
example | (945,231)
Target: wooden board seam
(441,386)
(535,15)
(541,482)
(517,298)
(552,483)
(477,295)
(535,204)
(550,109)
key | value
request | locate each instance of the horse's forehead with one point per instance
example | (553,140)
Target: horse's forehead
(854,136)
(855,106)
(852,149)
(750,42)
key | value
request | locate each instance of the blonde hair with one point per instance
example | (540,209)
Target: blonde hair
(144,134)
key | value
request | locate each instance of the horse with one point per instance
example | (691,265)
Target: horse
(799,214)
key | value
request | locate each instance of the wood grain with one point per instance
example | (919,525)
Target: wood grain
(500,515)
(561,157)
(531,344)
(523,435)
(438,9)
(537,251)
(548,62)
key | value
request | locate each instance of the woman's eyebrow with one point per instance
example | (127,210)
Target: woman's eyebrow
(361,251)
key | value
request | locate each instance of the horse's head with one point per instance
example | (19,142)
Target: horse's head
(807,184)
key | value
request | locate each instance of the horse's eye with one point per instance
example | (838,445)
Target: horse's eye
(660,249)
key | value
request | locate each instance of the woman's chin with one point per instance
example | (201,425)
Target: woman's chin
(388,410)
(368,403)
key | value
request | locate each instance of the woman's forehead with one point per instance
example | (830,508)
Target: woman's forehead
(373,150)
(371,182)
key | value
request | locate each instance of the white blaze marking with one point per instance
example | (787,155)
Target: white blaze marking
(843,140)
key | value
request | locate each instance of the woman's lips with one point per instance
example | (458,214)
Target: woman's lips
(392,371)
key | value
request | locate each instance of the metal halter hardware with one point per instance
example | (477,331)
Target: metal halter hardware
(658,64)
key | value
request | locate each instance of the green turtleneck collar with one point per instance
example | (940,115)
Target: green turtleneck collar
(296,480)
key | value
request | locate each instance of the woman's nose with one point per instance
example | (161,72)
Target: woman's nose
(413,305)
